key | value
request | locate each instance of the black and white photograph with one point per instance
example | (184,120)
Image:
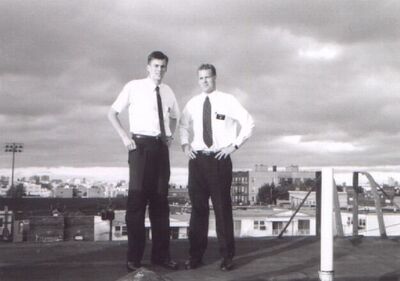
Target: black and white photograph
(199,140)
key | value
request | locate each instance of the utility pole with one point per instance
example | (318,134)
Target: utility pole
(14,148)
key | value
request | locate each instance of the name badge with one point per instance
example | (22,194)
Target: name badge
(220,116)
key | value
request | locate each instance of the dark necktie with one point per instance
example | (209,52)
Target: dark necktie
(160,114)
(207,129)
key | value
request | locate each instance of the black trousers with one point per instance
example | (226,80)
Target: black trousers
(209,177)
(149,173)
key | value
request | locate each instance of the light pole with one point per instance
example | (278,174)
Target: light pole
(14,148)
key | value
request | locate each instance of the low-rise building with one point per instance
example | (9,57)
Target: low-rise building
(179,224)
(61,192)
(296,197)
(36,190)
(120,190)
(368,223)
(3,190)
(46,229)
(79,227)
(95,192)
(269,222)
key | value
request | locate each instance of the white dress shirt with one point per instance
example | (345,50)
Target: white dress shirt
(227,114)
(141,97)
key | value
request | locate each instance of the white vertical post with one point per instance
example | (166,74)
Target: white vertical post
(326,270)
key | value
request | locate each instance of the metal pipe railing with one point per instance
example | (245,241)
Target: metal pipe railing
(326,270)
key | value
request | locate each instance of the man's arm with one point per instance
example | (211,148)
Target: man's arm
(240,114)
(116,123)
(173,119)
(172,126)
(189,152)
(184,133)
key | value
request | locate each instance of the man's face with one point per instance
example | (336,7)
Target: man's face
(207,80)
(157,68)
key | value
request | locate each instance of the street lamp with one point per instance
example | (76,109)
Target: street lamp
(14,148)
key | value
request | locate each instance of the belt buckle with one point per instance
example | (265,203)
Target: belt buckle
(207,153)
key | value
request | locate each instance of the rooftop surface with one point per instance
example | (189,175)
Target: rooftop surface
(257,259)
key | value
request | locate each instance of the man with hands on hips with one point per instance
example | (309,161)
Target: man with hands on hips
(210,120)
(153,115)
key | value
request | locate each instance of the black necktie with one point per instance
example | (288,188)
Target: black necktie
(160,114)
(207,129)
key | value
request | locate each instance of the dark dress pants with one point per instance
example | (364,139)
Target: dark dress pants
(149,173)
(210,177)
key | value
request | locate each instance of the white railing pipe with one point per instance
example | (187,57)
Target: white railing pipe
(326,270)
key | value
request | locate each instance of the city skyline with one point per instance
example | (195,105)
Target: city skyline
(179,175)
(321,79)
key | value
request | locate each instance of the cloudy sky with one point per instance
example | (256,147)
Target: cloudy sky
(321,78)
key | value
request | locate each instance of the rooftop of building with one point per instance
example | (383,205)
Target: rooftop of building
(257,259)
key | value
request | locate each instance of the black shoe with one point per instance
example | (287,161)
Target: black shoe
(192,264)
(168,264)
(132,266)
(226,264)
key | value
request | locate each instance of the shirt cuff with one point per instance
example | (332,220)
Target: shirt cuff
(184,142)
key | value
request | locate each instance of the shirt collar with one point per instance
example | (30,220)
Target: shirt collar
(152,84)
(212,94)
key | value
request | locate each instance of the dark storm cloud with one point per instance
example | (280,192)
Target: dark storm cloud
(314,74)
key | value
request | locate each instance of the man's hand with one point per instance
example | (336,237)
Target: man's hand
(169,140)
(129,143)
(189,152)
(116,123)
(225,152)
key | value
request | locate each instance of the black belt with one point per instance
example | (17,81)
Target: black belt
(145,137)
(206,153)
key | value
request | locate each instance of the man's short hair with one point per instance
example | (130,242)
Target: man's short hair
(208,66)
(157,55)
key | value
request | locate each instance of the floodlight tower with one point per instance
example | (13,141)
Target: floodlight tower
(14,148)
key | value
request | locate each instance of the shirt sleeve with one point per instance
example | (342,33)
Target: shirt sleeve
(174,114)
(184,125)
(122,100)
(242,116)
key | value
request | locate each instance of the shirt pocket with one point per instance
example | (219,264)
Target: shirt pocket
(219,122)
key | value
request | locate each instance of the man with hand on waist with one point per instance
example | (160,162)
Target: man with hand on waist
(153,115)
(211,119)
